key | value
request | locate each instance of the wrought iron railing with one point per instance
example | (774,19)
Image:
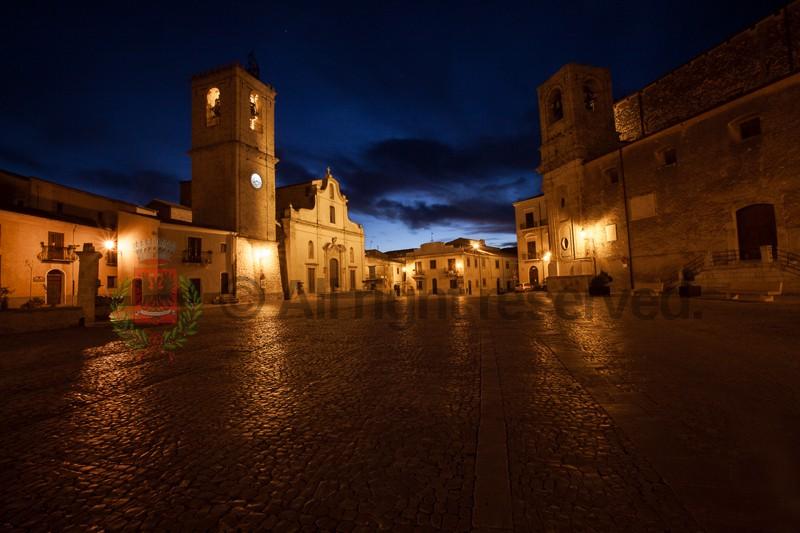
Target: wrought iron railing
(57,254)
(536,224)
(193,256)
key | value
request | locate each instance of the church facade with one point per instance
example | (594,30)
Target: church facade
(693,176)
(321,250)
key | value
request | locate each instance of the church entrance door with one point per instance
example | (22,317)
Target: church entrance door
(333,273)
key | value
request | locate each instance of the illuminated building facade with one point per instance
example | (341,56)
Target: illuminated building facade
(322,250)
(693,175)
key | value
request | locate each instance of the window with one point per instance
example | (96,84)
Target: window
(254,111)
(589,95)
(565,244)
(311,249)
(508,265)
(331,190)
(528,220)
(563,202)
(453,283)
(750,128)
(497,264)
(111,282)
(433,264)
(352,256)
(668,156)
(468,262)
(111,258)
(531,249)
(333,215)
(194,250)
(556,106)
(372,272)
(418,267)
(223,247)
(213,107)
(420,284)
(612,174)
(484,281)
(451,265)
(398,270)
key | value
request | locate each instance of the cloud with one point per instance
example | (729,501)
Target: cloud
(18,158)
(135,186)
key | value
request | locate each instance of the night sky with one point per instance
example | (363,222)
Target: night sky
(426,112)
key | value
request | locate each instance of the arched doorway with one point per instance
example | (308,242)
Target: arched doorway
(333,273)
(55,287)
(533,276)
(755,226)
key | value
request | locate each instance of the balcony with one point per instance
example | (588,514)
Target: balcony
(196,257)
(535,224)
(455,273)
(530,257)
(57,254)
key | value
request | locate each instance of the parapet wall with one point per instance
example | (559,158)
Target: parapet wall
(758,56)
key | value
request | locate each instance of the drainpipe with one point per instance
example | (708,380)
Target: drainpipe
(627,215)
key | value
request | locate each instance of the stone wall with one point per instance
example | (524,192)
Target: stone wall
(754,58)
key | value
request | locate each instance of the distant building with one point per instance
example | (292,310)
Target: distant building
(461,266)
(383,273)
(322,250)
(533,239)
(696,174)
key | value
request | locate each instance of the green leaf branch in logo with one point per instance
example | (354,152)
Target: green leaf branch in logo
(137,338)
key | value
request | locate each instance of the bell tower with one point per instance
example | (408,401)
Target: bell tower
(576,115)
(233,152)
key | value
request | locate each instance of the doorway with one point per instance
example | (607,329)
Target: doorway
(55,287)
(352,280)
(311,280)
(755,226)
(333,273)
(533,276)
(434,286)
(224,286)
(469,286)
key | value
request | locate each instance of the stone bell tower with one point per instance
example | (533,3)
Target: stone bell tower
(576,115)
(233,152)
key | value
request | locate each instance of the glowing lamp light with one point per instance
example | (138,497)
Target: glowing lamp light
(547,256)
(109,244)
(476,245)
(262,253)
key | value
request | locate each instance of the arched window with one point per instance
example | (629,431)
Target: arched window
(590,95)
(352,255)
(332,190)
(556,106)
(213,107)
(333,215)
(254,111)
(311,249)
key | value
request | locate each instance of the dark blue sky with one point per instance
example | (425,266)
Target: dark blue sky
(426,112)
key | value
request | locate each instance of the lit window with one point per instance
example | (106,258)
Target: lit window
(213,107)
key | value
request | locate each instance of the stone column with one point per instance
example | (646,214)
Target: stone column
(88,269)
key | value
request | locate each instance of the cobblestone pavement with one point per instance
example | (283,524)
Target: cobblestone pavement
(288,423)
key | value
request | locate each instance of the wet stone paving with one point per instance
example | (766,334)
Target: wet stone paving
(534,413)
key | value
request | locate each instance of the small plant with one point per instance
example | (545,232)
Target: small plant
(33,303)
(4,292)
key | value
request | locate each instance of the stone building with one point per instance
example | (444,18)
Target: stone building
(322,250)
(533,239)
(383,273)
(461,266)
(222,237)
(694,174)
